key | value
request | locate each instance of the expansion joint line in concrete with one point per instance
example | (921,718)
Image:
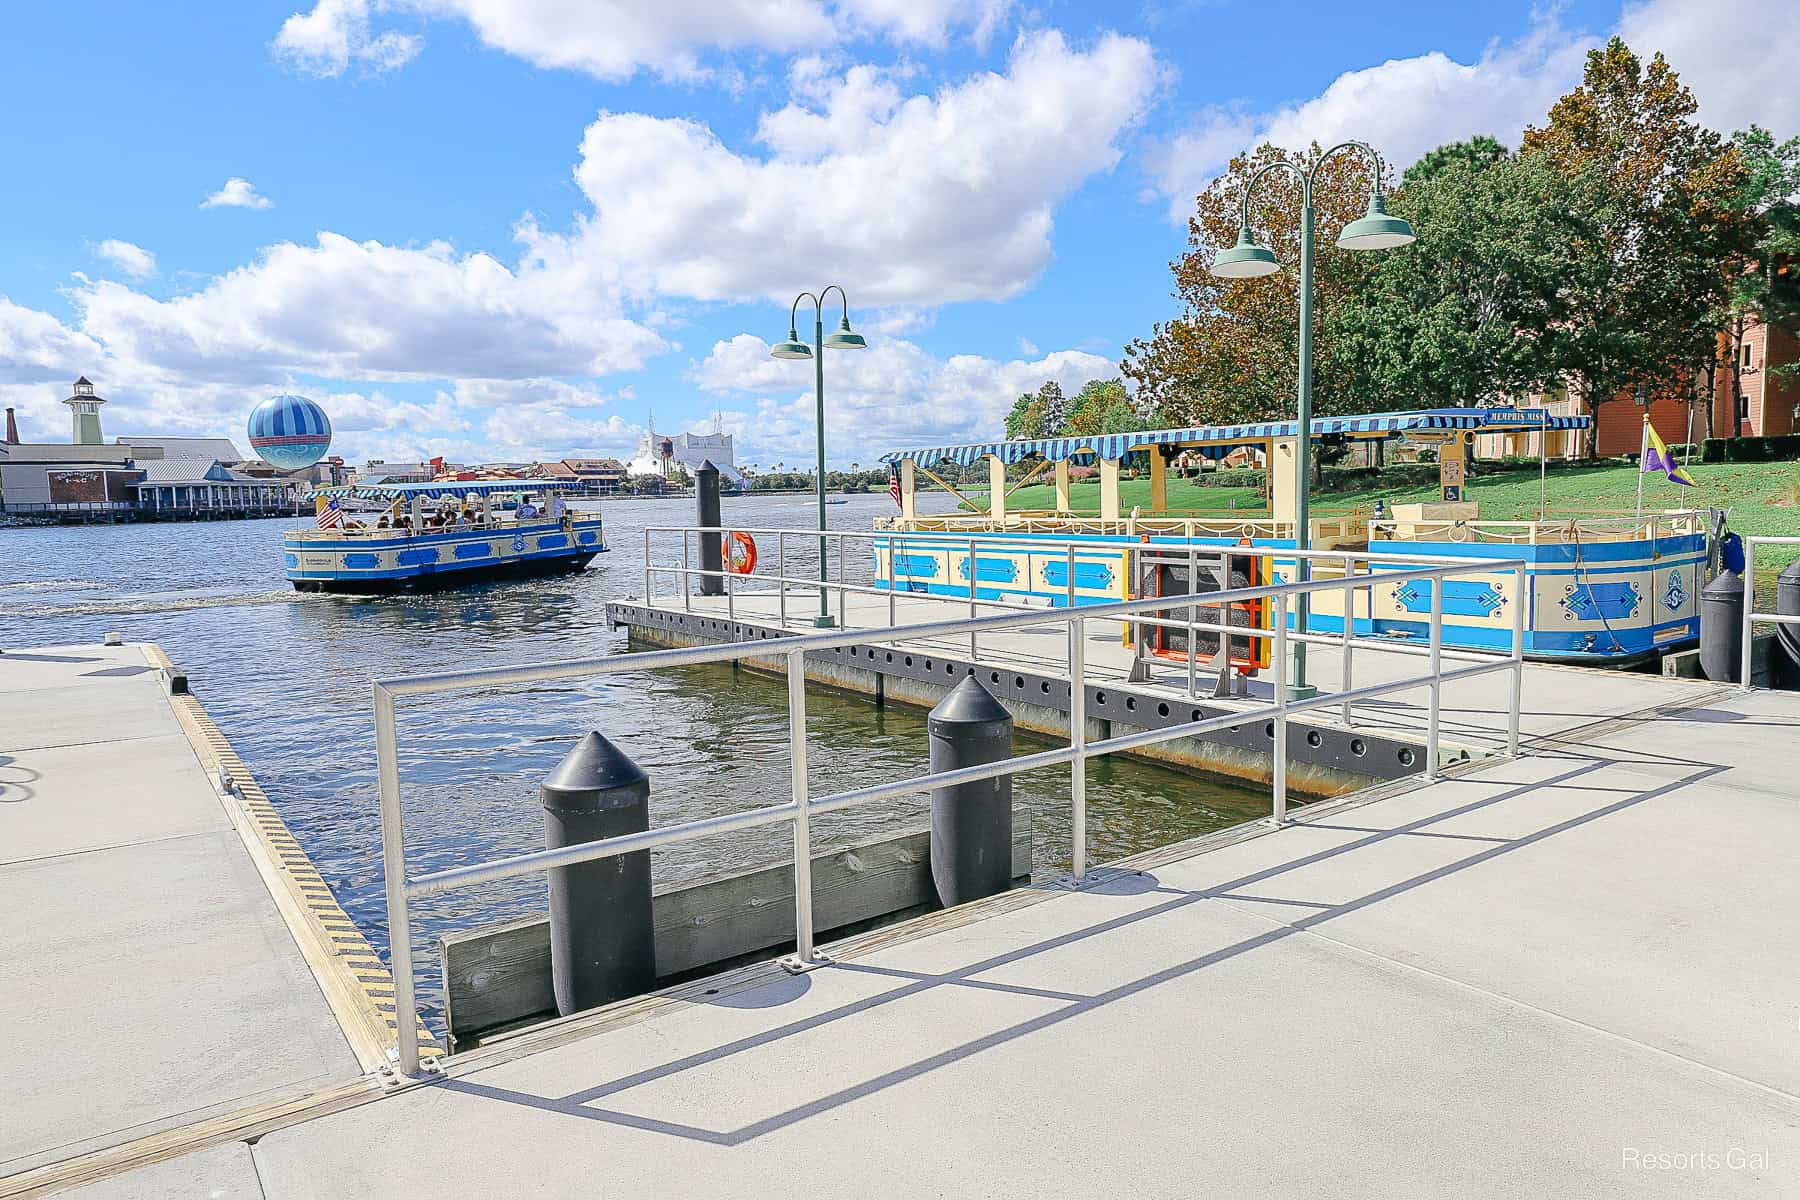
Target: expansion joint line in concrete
(355,982)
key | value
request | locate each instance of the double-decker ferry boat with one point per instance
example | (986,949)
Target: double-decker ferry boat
(1604,588)
(424,535)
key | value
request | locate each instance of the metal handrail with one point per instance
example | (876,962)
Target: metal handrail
(1751,616)
(798,810)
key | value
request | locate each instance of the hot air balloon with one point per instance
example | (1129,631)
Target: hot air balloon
(290,432)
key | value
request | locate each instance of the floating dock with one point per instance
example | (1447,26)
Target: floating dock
(173,960)
(1567,974)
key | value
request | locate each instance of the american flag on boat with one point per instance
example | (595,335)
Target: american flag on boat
(894,482)
(331,516)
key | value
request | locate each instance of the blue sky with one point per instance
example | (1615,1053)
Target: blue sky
(507,230)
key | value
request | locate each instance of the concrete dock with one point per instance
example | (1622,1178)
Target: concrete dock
(1565,975)
(170,954)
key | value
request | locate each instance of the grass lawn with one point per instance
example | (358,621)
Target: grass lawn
(1761,497)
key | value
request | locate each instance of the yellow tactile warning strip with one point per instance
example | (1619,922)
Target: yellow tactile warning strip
(357,984)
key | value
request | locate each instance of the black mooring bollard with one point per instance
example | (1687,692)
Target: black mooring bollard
(1786,659)
(1722,628)
(712,545)
(602,945)
(971,823)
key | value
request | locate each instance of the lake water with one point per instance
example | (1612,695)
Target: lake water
(287,677)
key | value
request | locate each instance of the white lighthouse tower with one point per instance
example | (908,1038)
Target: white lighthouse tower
(85,406)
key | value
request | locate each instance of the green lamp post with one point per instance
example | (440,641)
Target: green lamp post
(1249,259)
(842,339)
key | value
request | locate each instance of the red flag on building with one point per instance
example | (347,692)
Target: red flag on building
(437,467)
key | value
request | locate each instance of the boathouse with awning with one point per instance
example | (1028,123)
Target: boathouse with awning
(201,485)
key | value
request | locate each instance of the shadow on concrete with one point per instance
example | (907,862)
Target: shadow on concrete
(582,1104)
(16,780)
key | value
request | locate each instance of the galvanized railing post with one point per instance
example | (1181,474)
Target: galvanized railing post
(781,572)
(893,582)
(974,652)
(803,914)
(1278,750)
(1193,663)
(647,576)
(730,591)
(1071,580)
(1747,662)
(393,865)
(687,567)
(843,587)
(1077,740)
(1437,675)
(1349,628)
(1522,587)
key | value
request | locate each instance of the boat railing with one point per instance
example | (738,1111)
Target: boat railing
(368,530)
(1330,526)
(1783,622)
(1555,528)
(802,805)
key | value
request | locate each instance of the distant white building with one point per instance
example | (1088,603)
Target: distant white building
(659,454)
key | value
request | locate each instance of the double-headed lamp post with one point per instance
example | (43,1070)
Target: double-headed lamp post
(842,339)
(1374,230)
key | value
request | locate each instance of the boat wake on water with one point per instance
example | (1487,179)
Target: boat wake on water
(41,585)
(133,605)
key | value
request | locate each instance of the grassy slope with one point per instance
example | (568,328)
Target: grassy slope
(1759,494)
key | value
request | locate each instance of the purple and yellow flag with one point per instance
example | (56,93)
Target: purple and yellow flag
(1658,459)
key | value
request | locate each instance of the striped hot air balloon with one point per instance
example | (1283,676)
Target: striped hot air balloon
(290,432)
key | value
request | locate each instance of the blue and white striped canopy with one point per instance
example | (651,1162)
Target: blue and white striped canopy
(1216,441)
(448,488)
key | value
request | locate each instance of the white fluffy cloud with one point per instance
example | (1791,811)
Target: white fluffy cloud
(1406,106)
(335,34)
(237,193)
(364,310)
(922,200)
(895,393)
(36,348)
(615,39)
(915,200)
(132,260)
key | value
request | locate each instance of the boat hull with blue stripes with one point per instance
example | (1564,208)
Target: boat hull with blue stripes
(1612,603)
(376,561)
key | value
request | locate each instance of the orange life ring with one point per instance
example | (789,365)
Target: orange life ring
(740,553)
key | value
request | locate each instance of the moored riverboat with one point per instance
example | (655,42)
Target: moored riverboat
(431,535)
(1600,587)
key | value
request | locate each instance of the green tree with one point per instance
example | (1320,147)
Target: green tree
(1232,352)
(1473,312)
(1102,406)
(1767,285)
(1478,153)
(1038,414)
(1652,195)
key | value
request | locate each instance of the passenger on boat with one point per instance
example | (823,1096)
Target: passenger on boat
(384,523)
(526,510)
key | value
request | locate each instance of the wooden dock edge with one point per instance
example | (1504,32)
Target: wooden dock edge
(356,983)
